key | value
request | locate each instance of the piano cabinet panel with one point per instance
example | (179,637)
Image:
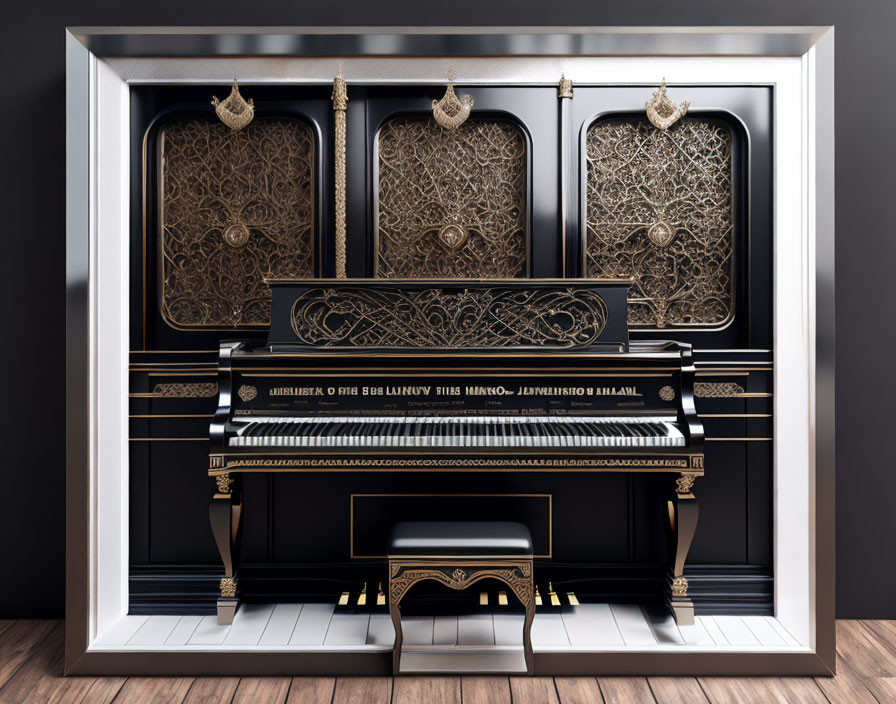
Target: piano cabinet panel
(721,536)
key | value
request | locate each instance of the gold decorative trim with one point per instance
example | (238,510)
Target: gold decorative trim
(235,111)
(516,575)
(227,587)
(340,105)
(470,317)
(667,393)
(684,483)
(679,587)
(564,89)
(225,483)
(392,464)
(187,390)
(662,112)
(247,392)
(726,389)
(450,111)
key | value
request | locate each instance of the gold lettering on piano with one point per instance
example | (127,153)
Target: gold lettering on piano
(296,391)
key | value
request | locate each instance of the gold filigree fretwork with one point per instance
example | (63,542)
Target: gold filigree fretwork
(227,587)
(452,203)
(667,393)
(725,389)
(517,576)
(449,318)
(202,389)
(659,209)
(236,207)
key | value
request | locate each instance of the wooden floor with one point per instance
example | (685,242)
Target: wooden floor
(31,664)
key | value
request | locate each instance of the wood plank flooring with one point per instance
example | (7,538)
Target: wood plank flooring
(31,667)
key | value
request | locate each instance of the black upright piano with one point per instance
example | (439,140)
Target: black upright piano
(460,376)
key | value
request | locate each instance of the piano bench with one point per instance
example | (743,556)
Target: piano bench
(458,554)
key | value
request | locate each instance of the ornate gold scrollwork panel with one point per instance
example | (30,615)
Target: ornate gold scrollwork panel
(659,209)
(468,318)
(236,206)
(451,203)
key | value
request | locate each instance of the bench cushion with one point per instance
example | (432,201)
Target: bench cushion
(447,538)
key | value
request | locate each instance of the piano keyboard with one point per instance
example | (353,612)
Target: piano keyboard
(458,431)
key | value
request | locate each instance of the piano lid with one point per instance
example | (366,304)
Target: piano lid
(458,315)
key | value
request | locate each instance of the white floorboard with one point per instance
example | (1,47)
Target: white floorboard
(508,629)
(348,629)
(312,624)
(155,630)
(249,624)
(417,630)
(121,631)
(444,630)
(592,624)
(493,635)
(282,623)
(632,625)
(380,630)
(735,630)
(208,632)
(476,630)
(548,630)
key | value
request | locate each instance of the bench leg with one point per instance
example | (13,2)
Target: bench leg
(395,613)
(683,514)
(527,634)
(225,515)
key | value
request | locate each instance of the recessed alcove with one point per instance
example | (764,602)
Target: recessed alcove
(599,637)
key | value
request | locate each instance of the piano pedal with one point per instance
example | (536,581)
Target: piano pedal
(483,598)
(555,600)
(502,598)
(380,596)
(571,598)
(343,599)
(362,597)
(537,597)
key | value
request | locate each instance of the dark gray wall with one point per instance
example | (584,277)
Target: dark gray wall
(32,246)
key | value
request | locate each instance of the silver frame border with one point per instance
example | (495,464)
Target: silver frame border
(84,45)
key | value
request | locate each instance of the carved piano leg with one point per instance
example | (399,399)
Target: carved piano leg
(683,523)
(225,514)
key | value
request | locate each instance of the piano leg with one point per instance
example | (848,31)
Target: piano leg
(682,523)
(225,514)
